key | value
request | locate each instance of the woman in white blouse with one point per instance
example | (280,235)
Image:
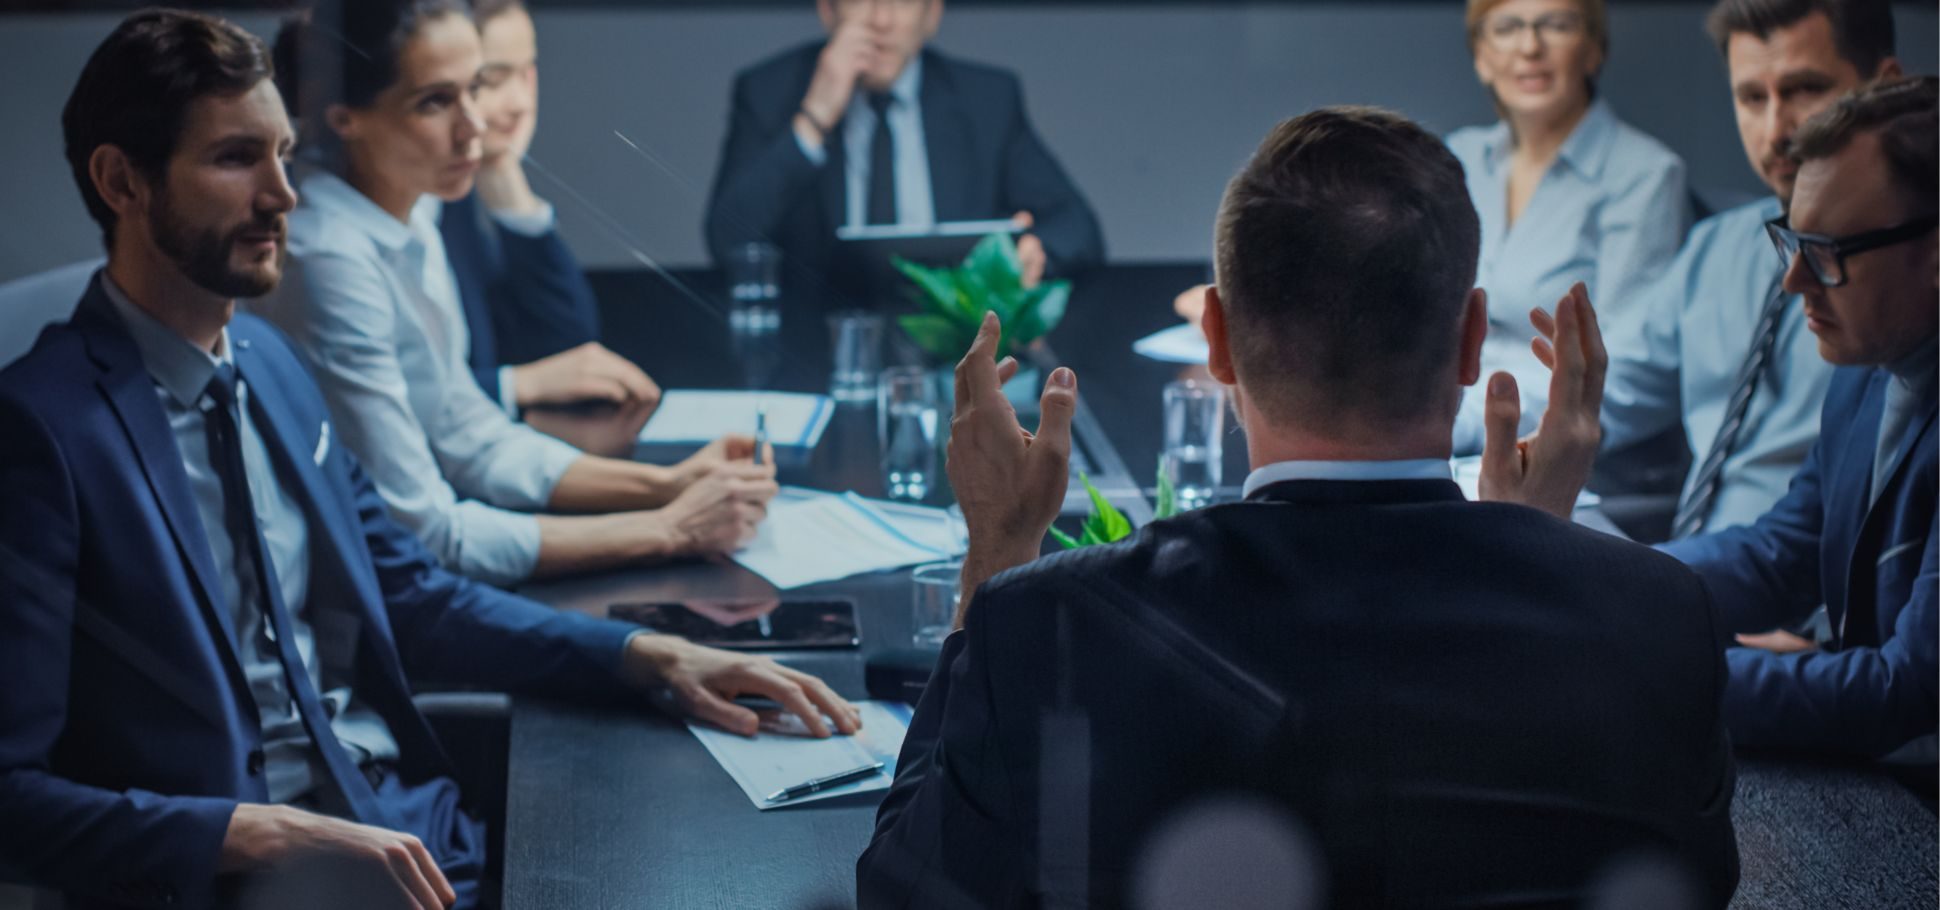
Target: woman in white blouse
(372,301)
(1566,192)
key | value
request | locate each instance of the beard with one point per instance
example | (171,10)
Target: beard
(204,254)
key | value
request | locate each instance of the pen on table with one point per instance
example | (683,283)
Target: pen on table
(760,431)
(823,783)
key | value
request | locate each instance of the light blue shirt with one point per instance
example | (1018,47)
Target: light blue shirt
(1681,362)
(1610,212)
(915,204)
(1402,469)
(292,767)
(372,301)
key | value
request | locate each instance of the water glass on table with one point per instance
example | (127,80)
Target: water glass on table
(906,419)
(754,289)
(1195,430)
(935,607)
(855,339)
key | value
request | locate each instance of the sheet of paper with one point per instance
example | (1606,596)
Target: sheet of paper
(1178,344)
(783,755)
(810,539)
(701,416)
(1468,476)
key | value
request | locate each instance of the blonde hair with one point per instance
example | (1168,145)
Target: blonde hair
(1596,21)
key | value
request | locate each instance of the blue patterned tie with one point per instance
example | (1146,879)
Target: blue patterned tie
(1704,491)
(258,582)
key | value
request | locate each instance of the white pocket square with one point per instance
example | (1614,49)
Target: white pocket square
(323,444)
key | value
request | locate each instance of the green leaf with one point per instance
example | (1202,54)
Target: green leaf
(994,262)
(939,336)
(1064,540)
(1049,308)
(1113,525)
(936,287)
(1168,504)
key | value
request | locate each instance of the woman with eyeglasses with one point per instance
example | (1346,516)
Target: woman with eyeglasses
(386,99)
(1566,192)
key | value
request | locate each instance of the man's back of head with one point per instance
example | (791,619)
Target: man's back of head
(1347,251)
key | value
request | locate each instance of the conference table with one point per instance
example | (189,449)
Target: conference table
(608,807)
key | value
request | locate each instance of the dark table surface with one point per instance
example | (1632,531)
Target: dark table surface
(610,808)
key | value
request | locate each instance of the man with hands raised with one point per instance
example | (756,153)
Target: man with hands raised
(873,128)
(1401,672)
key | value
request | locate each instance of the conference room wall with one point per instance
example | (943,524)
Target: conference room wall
(1150,107)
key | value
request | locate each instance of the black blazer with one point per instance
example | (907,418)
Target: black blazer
(525,297)
(1464,704)
(985,162)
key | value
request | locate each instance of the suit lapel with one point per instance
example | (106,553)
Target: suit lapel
(1847,503)
(130,392)
(947,137)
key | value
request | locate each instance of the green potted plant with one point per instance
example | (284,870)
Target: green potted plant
(1106,524)
(951,303)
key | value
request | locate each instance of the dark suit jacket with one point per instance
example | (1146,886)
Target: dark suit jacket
(985,162)
(1873,565)
(1463,704)
(525,297)
(128,732)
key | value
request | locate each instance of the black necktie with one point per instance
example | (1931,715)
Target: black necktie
(1697,504)
(882,164)
(257,581)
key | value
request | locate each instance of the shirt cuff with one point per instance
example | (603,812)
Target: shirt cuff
(508,390)
(817,155)
(535,223)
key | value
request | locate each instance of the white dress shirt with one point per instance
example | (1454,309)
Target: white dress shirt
(1400,469)
(915,201)
(374,304)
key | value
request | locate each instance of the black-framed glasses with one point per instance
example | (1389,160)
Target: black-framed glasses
(1505,32)
(1826,256)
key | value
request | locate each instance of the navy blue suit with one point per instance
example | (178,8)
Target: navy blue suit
(1871,689)
(1427,684)
(127,732)
(525,297)
(985,162)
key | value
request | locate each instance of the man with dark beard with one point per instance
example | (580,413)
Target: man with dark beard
(207,616)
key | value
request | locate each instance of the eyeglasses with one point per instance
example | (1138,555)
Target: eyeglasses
(1505,32)
(1826,256)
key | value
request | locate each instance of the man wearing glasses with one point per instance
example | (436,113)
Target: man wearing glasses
(1722,347)
(871,128)
(1857,529)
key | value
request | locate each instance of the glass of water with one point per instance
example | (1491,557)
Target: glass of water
(935,608)
(856,339)
(754,288)
(1195,429)
(906,418)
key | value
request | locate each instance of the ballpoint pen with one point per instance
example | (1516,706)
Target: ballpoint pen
(760,431)
(823,783)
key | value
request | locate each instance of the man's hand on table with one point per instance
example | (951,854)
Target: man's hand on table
(1548,468)
(586,373)
(1778,641)
(1009,482)
(289,853)
(703,682)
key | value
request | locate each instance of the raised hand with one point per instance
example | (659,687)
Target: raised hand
(1548,468)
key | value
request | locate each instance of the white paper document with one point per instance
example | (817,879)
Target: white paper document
(814,537)
(1178,344)
(701,416)
(783,755)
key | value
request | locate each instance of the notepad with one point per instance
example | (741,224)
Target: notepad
(695,416)
(817,538)
(1178,344)
(783,754)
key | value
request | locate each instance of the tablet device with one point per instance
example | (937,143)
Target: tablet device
(750,626)
(863,254)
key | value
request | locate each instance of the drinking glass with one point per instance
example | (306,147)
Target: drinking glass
(906,418)
(1195,428)
(754,288)
(856,337)
(935,607)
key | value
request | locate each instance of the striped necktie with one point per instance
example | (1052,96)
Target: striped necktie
(1710,476)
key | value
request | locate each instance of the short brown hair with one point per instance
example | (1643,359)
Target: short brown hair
(1346,250)
(1904,113)
(1862,30)
(136,90)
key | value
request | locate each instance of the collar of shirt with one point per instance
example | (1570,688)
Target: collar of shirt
(328,192)
(180,368)
(1403,469)
(1584,152)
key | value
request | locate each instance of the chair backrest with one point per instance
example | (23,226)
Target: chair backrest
(30,304)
